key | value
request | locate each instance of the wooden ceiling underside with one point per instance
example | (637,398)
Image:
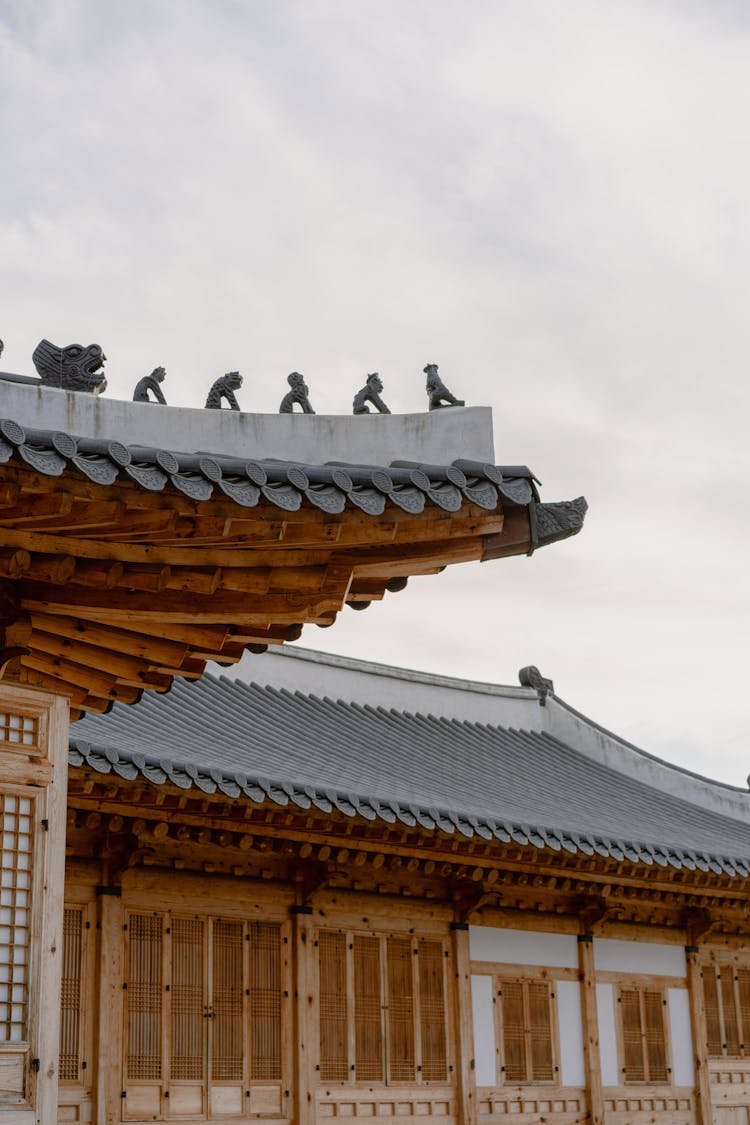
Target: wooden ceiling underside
(107,591)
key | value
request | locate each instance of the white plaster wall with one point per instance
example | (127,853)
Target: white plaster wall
(601,745)
(523,947)
(639,957)
(434,437)
(681,1038)
(381,685)
(485,1048)
(605,1007)
(570,1023)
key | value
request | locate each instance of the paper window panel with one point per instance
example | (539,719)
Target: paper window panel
(19,731)
(70,996)
(368,1029)
(334,1053)
(432,1012)
(265,1002)
(726,998)
(540,1032)
(632,1035)
(713,1017)
(15,908)
(400,975)
(644,1035)
(729,1010)
(743,996)
(514,1033)
(144,997)
(187,1000)
(225,1012)
(655,1036)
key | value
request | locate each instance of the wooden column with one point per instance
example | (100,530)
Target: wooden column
(110,1023)
(306,1032)
(590,1029)
(466,1084)
(700,1036)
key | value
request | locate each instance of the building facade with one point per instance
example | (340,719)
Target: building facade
(318,888)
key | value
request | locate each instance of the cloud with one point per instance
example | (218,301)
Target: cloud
(548,200)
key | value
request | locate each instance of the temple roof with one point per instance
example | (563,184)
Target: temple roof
(524,767)
(138,542)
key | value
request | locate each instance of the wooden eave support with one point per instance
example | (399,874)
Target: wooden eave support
(237,836)
(106,577)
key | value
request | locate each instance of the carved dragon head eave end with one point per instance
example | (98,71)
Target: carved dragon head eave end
(73,368)
(558,520)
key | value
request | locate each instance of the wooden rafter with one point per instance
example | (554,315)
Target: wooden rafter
(111,590)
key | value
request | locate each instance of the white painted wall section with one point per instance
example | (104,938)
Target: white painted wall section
(639,957)
(434,437)
(485,1048)
(570,1023)
(523,947)
(382,685)
(680,1035)
(605,1007)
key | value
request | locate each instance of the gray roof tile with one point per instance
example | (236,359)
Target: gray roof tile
(273,744)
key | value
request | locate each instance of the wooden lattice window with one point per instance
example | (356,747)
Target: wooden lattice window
(203,1010)
(389,1024)
(19,731)
(726,995)
(526,1018)
(187,1011)
(70,995)
(265,1002)
(432,1011)
(643,1032)
(334,1049)
(145,997)
(15,911)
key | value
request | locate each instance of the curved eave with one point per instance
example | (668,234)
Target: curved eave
(124,566)
(161,770)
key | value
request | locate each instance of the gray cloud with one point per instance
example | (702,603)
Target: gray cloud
(548,200)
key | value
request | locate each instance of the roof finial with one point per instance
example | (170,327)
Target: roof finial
(533,678)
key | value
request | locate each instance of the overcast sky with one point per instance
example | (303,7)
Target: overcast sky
(550,200)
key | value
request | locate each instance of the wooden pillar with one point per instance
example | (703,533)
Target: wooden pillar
(700,1036)
(33,787)
(466,1083)
(590,1018)
(306,1032)
(110,1022)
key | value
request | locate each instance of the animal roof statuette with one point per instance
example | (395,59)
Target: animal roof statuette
(298,394)
(151,383)
(224,388)
(370,393)
(74,368)
(533,678)
(437,393)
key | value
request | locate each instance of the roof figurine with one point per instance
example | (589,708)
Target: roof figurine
(224,388)
(151,383)
(438,394)
(533,678)
(370,393)
(298,394)
(73,368)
